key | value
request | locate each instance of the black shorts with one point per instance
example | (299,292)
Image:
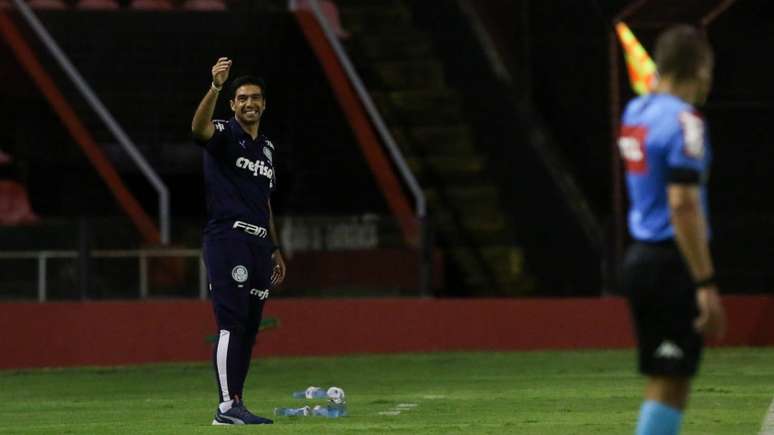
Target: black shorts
(662,299)
(239,275)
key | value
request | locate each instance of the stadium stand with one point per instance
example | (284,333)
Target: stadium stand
(105,5)
(204,5)
(48,4)
(151,5)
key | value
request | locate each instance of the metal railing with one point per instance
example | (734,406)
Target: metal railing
(142,256)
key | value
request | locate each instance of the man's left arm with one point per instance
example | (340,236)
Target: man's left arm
(278,271)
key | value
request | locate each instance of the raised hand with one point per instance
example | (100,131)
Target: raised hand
(220,71)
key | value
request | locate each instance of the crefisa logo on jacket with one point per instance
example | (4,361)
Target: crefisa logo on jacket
(256,167)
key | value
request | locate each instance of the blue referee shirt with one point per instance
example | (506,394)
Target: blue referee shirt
(663,140)
(239,178)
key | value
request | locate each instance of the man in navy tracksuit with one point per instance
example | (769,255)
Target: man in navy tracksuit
(240,242)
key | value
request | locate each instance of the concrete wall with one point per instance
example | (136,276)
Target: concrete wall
(113,333)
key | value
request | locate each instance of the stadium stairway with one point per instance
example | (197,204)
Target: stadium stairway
(406,79)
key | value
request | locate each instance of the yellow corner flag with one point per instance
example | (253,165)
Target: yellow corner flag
(642,69)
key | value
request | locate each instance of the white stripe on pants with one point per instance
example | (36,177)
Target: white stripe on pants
(222,358)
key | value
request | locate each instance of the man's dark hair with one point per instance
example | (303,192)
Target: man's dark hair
(681,51)
(246,80)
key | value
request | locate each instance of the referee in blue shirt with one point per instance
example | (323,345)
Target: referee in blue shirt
(668,273)
(240,241)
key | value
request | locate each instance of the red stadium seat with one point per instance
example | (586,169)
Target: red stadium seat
(5,158)
(48,4)
(204,5)
(151,5)
(105,5)
(15,206)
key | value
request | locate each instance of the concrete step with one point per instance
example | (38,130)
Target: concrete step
(445,140)
(504,262)
(403,75)
(482,225)
(469,265)
(413,141)
(468,213)
(483,195)
(393,46)
(447,166)
(507,261)
(420,107)
(374,17)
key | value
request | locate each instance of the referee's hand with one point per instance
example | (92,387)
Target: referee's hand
(712,317)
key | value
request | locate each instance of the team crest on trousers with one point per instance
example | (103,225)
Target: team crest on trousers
(239,273)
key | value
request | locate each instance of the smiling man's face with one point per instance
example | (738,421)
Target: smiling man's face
(248,104)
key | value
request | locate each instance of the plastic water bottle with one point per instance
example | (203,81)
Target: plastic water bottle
(311,393)
(293,412)
(330,411)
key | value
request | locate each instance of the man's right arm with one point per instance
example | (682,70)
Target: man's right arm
(687,162)
(201,126)
(690,225)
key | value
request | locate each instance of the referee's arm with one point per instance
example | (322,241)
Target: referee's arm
(690,225)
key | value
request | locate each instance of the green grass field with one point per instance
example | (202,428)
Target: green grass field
(589,392)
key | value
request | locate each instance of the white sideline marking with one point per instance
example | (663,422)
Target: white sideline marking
(434,396)
(768,421)
(399,408)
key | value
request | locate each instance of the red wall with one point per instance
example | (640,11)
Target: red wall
(109,333)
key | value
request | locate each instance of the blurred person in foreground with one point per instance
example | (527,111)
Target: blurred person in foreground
(240,241)
(668,273)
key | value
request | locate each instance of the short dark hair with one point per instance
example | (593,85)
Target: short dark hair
(681,51)
(246,80)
